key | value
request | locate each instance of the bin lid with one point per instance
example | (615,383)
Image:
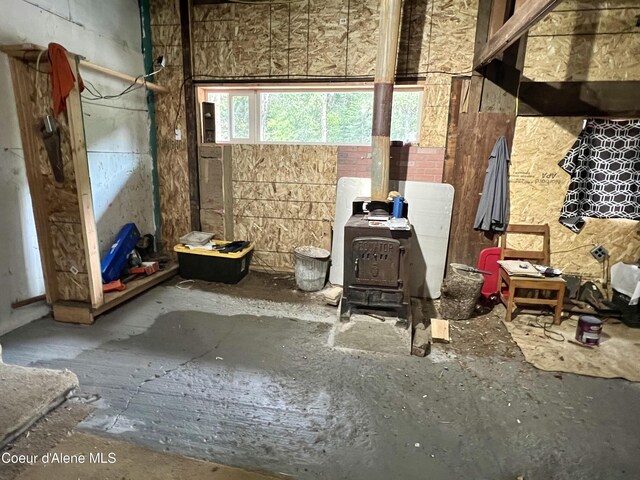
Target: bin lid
(213,253)
(312,252)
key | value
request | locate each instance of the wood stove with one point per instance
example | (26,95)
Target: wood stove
(376,264)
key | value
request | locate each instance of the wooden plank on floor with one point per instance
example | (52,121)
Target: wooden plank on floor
(440,330)
(134,288)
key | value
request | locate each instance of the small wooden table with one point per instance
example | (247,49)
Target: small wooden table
(513,283)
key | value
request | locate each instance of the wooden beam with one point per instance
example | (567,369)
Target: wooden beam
(22,87)
(190,112)
(452,127)
(29,52)
(525,17)
(580,99)
(482,33)
(83,186)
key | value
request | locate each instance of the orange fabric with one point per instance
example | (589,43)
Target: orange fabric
(62,79)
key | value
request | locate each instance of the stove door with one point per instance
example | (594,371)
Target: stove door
(376,261)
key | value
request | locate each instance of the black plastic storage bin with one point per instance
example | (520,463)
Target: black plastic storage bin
(630,313)
(213,266)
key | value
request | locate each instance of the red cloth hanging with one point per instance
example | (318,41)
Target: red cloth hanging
(62,78)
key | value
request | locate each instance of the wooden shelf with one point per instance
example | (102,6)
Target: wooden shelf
(77,312)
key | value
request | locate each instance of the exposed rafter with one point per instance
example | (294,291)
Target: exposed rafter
(525,17)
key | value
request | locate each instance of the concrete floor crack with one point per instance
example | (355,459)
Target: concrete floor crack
(156,377)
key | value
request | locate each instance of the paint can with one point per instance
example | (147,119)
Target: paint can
(589,330)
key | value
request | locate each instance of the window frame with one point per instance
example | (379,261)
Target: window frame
(254,91)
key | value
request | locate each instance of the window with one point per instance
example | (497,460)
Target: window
(337,116)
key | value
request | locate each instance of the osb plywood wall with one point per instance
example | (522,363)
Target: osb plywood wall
(327,38)
(538,188)
(586,40)
(172,154)
(580,40)
(284,197)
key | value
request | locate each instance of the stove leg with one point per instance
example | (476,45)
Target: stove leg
(345,310)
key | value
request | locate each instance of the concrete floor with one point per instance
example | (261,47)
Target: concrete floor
(255,384)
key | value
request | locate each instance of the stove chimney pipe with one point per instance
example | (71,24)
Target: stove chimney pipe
(389,32)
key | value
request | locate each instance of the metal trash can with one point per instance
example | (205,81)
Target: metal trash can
(312,265)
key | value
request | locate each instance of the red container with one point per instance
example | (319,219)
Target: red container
(589,330)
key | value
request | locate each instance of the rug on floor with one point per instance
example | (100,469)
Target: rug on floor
(618,355)
(26,394)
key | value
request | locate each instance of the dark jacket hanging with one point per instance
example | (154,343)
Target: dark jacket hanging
(604,165)
(493,210)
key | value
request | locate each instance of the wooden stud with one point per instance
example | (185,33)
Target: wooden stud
(190,114)
(452,127)
(227,192)
(24,106)
(83,185)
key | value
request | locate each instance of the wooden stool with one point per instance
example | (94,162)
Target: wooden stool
(513,283)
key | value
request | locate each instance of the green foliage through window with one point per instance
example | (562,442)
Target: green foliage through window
(339,117)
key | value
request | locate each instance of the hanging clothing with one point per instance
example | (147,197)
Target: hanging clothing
(604,164)
(493,210)
(62,78)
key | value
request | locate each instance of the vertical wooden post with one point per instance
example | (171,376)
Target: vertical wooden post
(389,32)
(190,114)
(22,85)
(227,192)
(83,185)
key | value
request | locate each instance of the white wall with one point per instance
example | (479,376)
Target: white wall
(106,33)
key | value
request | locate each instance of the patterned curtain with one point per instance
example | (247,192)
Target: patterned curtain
(604,165)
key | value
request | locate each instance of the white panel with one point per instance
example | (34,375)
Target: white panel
(20,270)
(57,7)
(122,190)
(116,19)
(109,129)
(430,206)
